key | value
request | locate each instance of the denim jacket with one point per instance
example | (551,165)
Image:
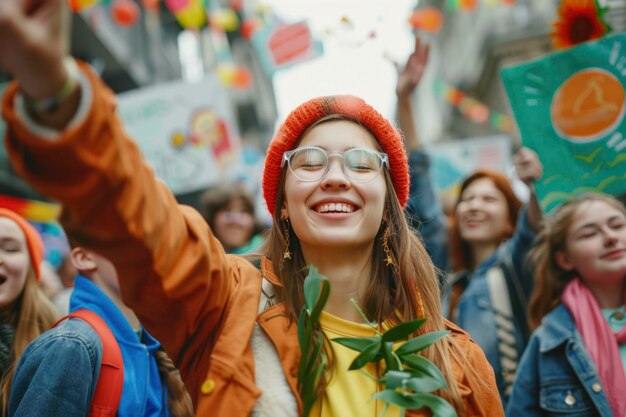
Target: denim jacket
(557,377)
(502,338)
(57,374)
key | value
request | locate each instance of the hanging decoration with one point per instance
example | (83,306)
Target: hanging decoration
(125,12)
(224,19)
(80,5)
(249,26)
(579,21)
(473,109)
(428,19)
(349,34)
(190,14)
(236,5)
(470,5)
(151,5)
(234,76)
(465,5)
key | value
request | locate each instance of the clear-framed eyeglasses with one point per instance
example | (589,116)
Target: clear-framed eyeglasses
(313,163)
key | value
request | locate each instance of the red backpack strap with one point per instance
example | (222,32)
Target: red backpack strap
(106,398)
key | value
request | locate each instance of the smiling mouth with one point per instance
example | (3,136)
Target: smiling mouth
(473,222)
(617,253)
(3,279)
(335,208)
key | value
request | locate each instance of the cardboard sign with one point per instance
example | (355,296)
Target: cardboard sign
(453,161)
(186,132)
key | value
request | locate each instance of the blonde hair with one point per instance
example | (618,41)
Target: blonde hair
(32,314)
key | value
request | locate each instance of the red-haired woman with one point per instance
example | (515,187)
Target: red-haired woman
(487,239)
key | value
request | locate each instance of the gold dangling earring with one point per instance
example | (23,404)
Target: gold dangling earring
(286,251)
(389,257)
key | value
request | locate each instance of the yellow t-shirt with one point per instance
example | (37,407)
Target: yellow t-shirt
(349,392)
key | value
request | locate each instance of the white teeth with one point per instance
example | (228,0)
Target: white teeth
(335,207)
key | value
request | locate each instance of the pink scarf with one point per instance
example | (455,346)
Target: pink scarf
(600,341)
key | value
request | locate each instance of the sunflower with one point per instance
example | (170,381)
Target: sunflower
(579,21)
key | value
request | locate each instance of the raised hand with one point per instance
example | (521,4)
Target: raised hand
(33,44)
(409,76)
(527,166)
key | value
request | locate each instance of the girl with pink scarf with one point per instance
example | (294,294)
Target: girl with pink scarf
(575,362)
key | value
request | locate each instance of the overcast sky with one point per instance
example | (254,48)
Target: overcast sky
(354,62)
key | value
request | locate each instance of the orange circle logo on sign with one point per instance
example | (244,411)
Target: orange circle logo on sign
(588,105)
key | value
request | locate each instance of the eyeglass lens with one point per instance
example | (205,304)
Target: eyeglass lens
(310,164)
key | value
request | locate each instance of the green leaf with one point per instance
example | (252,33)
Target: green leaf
(396,379)
(392,396)
(424,366)
(411,380)
(356,343)
(312,361)
(438,406)
(312,287)
(391,360)
(317,350)
(368,355)
(425,383)
(403,330)
(420,342)
(321,301)
(301,324)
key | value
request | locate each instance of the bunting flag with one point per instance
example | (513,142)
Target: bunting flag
(80,5)
(33,210)
(191,14)
(473,109)
(469,5)
(282,45)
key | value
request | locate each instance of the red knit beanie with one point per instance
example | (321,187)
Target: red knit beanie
(352,107)
(33,240)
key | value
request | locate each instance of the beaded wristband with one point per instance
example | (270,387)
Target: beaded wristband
(50,104)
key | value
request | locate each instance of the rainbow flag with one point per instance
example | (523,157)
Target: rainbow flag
(33,210)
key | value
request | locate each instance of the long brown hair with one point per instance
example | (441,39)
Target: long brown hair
(550,278)
(391,295)
(460,252)
(179,401)
(32,314)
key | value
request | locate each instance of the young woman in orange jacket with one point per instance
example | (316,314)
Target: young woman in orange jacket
(335,179)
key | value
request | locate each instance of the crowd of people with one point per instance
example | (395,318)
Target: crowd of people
(177,312)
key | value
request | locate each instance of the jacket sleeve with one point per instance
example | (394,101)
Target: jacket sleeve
(56,375)
(173,273)
(519,246)
(424,211)
(484,399)
(524,400)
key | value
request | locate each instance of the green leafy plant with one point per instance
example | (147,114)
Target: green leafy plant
(408,378)
(312,361)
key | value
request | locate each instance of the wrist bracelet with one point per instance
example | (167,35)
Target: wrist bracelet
(50,104)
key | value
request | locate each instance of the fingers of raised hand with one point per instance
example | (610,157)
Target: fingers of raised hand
(527,165)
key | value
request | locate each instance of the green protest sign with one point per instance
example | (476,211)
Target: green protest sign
(570,108)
